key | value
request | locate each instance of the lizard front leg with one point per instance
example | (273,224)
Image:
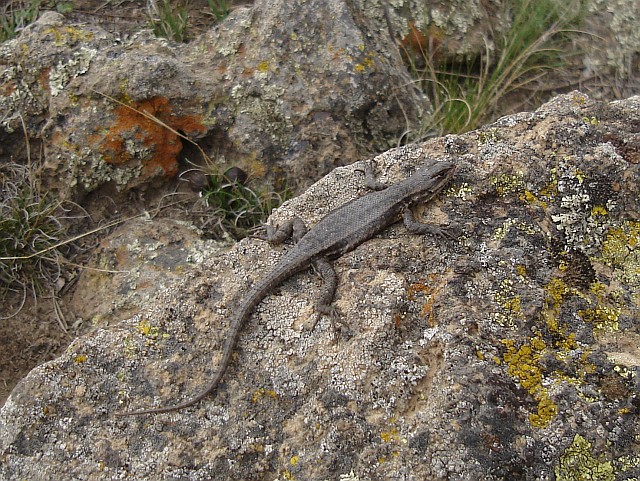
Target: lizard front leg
(416,227)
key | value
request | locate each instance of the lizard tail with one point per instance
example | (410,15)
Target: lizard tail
(280,272)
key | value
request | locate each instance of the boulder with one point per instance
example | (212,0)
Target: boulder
(507,351)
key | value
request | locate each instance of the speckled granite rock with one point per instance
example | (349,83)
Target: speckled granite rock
(508,352)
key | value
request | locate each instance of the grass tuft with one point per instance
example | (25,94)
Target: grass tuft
(231,207)
(15,15)
(219,9)
(469,93)
(168,21)
(30,234)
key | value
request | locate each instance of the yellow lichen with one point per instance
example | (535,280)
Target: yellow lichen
(577,463)
(602,318)
(619,250)
(366,64)
(506,184)
(390,436)
(68,35)
(556,290)
(148,330)
(489,136)
(80,358)
(530,198)
(524,366)
(604,315)
(591,120)
(262,392)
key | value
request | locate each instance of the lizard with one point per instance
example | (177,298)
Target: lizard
(339,232)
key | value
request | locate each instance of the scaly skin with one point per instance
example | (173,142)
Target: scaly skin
(339,232)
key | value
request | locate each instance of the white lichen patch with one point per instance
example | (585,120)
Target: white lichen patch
(64,71)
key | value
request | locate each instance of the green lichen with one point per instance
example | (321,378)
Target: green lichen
(524,227)
(607,308)
(585,203)
(620,251)
(577,463)
(510,314)
(65,71)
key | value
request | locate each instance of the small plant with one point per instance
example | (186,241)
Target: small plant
(219,8)
(233,208)
(469,93)
(168,21)
(30,234)
(15,15)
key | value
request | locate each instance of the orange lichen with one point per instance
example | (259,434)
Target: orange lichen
(139,133)
(43,78)
(417,42)
(7,88)
(431,289)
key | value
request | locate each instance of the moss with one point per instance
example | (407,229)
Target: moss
(577,463)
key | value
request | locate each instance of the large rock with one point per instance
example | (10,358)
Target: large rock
(507,352)
(276,89)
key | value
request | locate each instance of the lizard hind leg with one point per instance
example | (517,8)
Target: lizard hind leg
(293,228)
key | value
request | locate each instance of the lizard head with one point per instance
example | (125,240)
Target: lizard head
(430,179)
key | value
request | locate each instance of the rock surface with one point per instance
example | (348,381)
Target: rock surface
(132,264)
(508,352)
(275,89)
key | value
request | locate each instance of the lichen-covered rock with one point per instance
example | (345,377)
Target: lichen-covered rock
(507,352)
(275,88)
